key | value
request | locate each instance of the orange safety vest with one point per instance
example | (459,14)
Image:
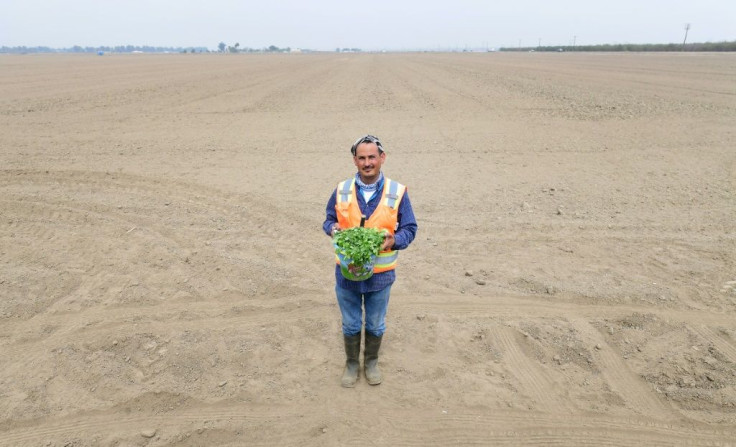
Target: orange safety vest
(384,217)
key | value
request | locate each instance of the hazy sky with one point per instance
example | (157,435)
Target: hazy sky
(370,25)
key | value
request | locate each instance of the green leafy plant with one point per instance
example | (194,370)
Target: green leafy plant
(359,244)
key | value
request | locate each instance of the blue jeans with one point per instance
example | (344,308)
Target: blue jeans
(351,306)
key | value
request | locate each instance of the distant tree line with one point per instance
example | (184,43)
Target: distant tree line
(222,47)
(106,49)
(707,46)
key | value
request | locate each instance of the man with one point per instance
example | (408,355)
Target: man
(385,205)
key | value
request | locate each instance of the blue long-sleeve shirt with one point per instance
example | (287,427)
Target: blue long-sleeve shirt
(403,236)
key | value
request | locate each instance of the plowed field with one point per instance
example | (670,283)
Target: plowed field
(164,280)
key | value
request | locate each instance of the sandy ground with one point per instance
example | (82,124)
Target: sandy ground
(164,280)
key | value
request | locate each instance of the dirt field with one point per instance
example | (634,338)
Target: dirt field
(164,280)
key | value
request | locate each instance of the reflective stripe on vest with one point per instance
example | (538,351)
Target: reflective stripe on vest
(391,197)
(385,261)
(384,216)
(345,190)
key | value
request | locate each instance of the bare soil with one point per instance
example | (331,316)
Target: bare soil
(164,280)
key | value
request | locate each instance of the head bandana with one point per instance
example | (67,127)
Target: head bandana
(366,139)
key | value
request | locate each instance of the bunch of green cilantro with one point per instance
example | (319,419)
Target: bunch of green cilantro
(359,244)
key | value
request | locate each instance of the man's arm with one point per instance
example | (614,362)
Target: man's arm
(407,224)
(330,215)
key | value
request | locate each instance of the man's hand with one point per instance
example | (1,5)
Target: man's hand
(335,229)
(388,242)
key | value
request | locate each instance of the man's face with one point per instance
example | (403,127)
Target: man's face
(368,160)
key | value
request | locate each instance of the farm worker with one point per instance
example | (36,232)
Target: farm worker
(385,205)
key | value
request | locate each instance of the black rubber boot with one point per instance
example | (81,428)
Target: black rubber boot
(370,359)
(352,364)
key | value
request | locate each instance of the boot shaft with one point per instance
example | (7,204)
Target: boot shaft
(352,347)
(372,346)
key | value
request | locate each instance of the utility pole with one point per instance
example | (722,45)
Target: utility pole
(687,28)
